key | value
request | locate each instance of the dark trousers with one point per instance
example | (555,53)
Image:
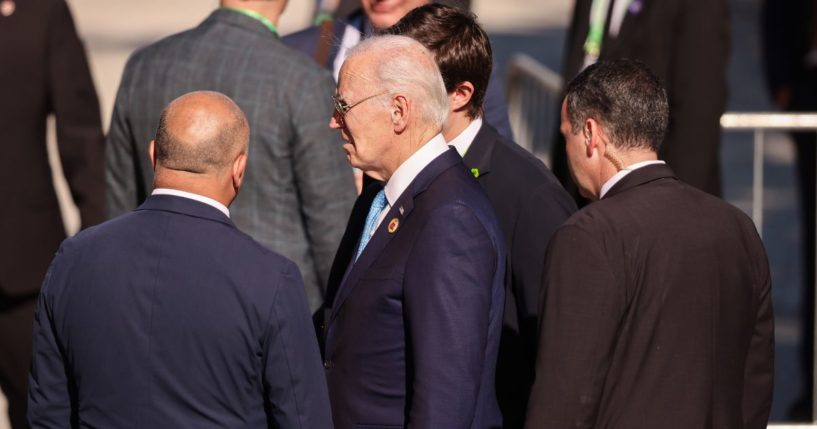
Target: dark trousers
(807,180)
(16,326)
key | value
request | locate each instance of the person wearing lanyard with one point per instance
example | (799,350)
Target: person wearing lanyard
(686,43)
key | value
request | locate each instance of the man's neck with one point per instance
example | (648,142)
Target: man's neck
(192,183)
(411,144)
(456,124)
(268,9)
(626,159)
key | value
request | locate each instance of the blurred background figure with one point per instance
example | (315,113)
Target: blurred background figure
(790,54)
(299,188)
(44,71)
(686,43)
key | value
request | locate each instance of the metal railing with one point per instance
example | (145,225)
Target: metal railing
(533,92)
(759,124)
(533,106)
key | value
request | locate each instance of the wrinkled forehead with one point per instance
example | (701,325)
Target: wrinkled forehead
(355,77)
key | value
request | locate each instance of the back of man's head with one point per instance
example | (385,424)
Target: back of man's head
(625,97)
(460,46)
(201,133)
(401,65)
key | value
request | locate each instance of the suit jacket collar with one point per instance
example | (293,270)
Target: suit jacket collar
(185,206)
(399,211)
(640,177)
(239,20)
(481,151)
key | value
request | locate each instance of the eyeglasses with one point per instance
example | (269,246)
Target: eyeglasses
(341,108)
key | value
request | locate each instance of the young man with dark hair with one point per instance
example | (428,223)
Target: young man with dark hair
(529,201)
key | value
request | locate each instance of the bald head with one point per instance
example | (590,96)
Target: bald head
(200,132)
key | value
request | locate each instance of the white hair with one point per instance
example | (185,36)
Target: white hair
(404,66)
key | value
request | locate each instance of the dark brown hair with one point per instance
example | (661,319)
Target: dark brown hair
(626,97)
(460,47)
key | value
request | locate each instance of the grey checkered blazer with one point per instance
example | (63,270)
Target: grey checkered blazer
(298,189)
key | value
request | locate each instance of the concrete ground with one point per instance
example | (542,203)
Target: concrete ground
(112,29)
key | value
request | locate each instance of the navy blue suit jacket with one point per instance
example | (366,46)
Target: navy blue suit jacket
(413,332)
(170,317)
(307,41)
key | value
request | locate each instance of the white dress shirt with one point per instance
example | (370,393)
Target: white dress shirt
(200,198)
(408,170)
(463,141)
(623,173)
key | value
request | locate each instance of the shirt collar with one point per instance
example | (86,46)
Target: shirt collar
(624,172)
(255,15)
(411,167)
(200,198)
(463,141)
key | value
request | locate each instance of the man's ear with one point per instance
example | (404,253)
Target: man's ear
(401,110)
(238,169)
(594,138)
(152,153)
(460,96)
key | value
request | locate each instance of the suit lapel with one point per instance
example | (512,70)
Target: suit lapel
(401,211)
(349,242)
(478,156)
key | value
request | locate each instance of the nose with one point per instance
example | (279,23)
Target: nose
(334,122)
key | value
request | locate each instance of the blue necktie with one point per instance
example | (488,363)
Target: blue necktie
(378,204)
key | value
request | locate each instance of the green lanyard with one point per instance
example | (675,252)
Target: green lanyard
(599,11)
(595,35)
(253,14)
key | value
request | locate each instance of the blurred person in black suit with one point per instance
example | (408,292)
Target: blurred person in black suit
(44,71)
(529,201)
(685,43)
(790,50)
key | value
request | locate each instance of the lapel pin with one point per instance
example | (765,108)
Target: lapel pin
(393,225)
(401,209)
(475,172)
(7,7)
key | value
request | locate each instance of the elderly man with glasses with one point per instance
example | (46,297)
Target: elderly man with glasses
(415,297)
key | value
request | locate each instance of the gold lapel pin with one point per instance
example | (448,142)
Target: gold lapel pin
(393,225)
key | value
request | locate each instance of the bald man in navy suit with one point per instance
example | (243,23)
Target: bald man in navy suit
(169,316)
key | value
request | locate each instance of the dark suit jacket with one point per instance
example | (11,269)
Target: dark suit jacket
(307,41)
(657,314)
(414,328)
(787,29)
(171,317)
(686,44)
(44,70)
(298,187)
(530,205)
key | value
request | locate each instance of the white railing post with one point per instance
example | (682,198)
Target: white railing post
(757,182)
